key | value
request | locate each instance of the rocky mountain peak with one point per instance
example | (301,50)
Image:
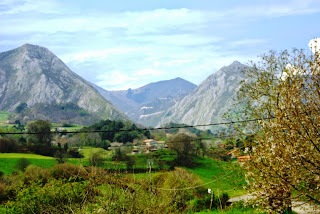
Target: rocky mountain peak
(210,100)
(32,74)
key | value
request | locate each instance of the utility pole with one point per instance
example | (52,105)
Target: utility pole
(150,162)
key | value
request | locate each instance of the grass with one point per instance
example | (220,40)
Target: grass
(87,151)
(4,119)
(9,160)
(219,172)
(23,155)
(4,116)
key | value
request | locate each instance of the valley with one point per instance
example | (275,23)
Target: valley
(171,142)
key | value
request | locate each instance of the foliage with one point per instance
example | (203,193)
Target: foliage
(22,164)
(230,177)
(283,93)
(130,162)
(183,144)
(43,136)
(96,159)
(56,196)
(64,113)
(21,107)
(113,131)
(7,145)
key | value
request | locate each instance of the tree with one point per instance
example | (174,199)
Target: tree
(96,159)
(282,92)
(21,107)
(183,144)
(40,132)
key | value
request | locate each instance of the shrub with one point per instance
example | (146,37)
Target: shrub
(3,195)
(56,196)
(96,159)
(33,173)
(130,162)
(67,170)
(22,164)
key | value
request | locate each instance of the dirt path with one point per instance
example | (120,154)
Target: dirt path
(297,206)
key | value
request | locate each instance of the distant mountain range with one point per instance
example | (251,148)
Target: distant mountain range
(210,100)
(32,74)
(144,105)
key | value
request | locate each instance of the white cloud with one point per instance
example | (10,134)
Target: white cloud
(14,7)
(114,79)
(246,42)
(175,62)
(147,72)
(95,55)
(129,49)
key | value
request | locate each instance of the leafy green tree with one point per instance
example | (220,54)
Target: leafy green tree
(8,145)
(183,144)
(282,92)
(40,132)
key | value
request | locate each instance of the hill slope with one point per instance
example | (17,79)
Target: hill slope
(210,100)
(145,104)
(32,74)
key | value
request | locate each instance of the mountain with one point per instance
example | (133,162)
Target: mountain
(32,74)
(210,100)
(145,104)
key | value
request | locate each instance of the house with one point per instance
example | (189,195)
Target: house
(149,142)
(135,151)
(115,145)
(152,145)
(160,145)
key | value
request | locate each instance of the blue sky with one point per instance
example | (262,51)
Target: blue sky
(128,43)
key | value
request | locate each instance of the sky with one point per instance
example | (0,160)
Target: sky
(129,43)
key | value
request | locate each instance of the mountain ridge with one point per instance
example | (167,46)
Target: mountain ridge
(33,74)
(210,100)
(144,104)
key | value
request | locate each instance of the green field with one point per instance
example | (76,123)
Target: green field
(9,160)
(4,119)
(23,155)
(220,175)
(88,151)
(73,128)
(217,174)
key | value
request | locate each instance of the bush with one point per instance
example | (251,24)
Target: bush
(67,170)
(35,173)
(56,196)
(3,195)
(96,159)
(22,164)
(73,152)
(130,162)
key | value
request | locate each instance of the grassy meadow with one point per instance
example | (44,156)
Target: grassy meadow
(9,160)
(224,175)
(4,119)
(214,174)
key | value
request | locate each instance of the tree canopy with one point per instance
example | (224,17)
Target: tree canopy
(282,92)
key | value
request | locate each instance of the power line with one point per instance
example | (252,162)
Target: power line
(194,187)
(143,129)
